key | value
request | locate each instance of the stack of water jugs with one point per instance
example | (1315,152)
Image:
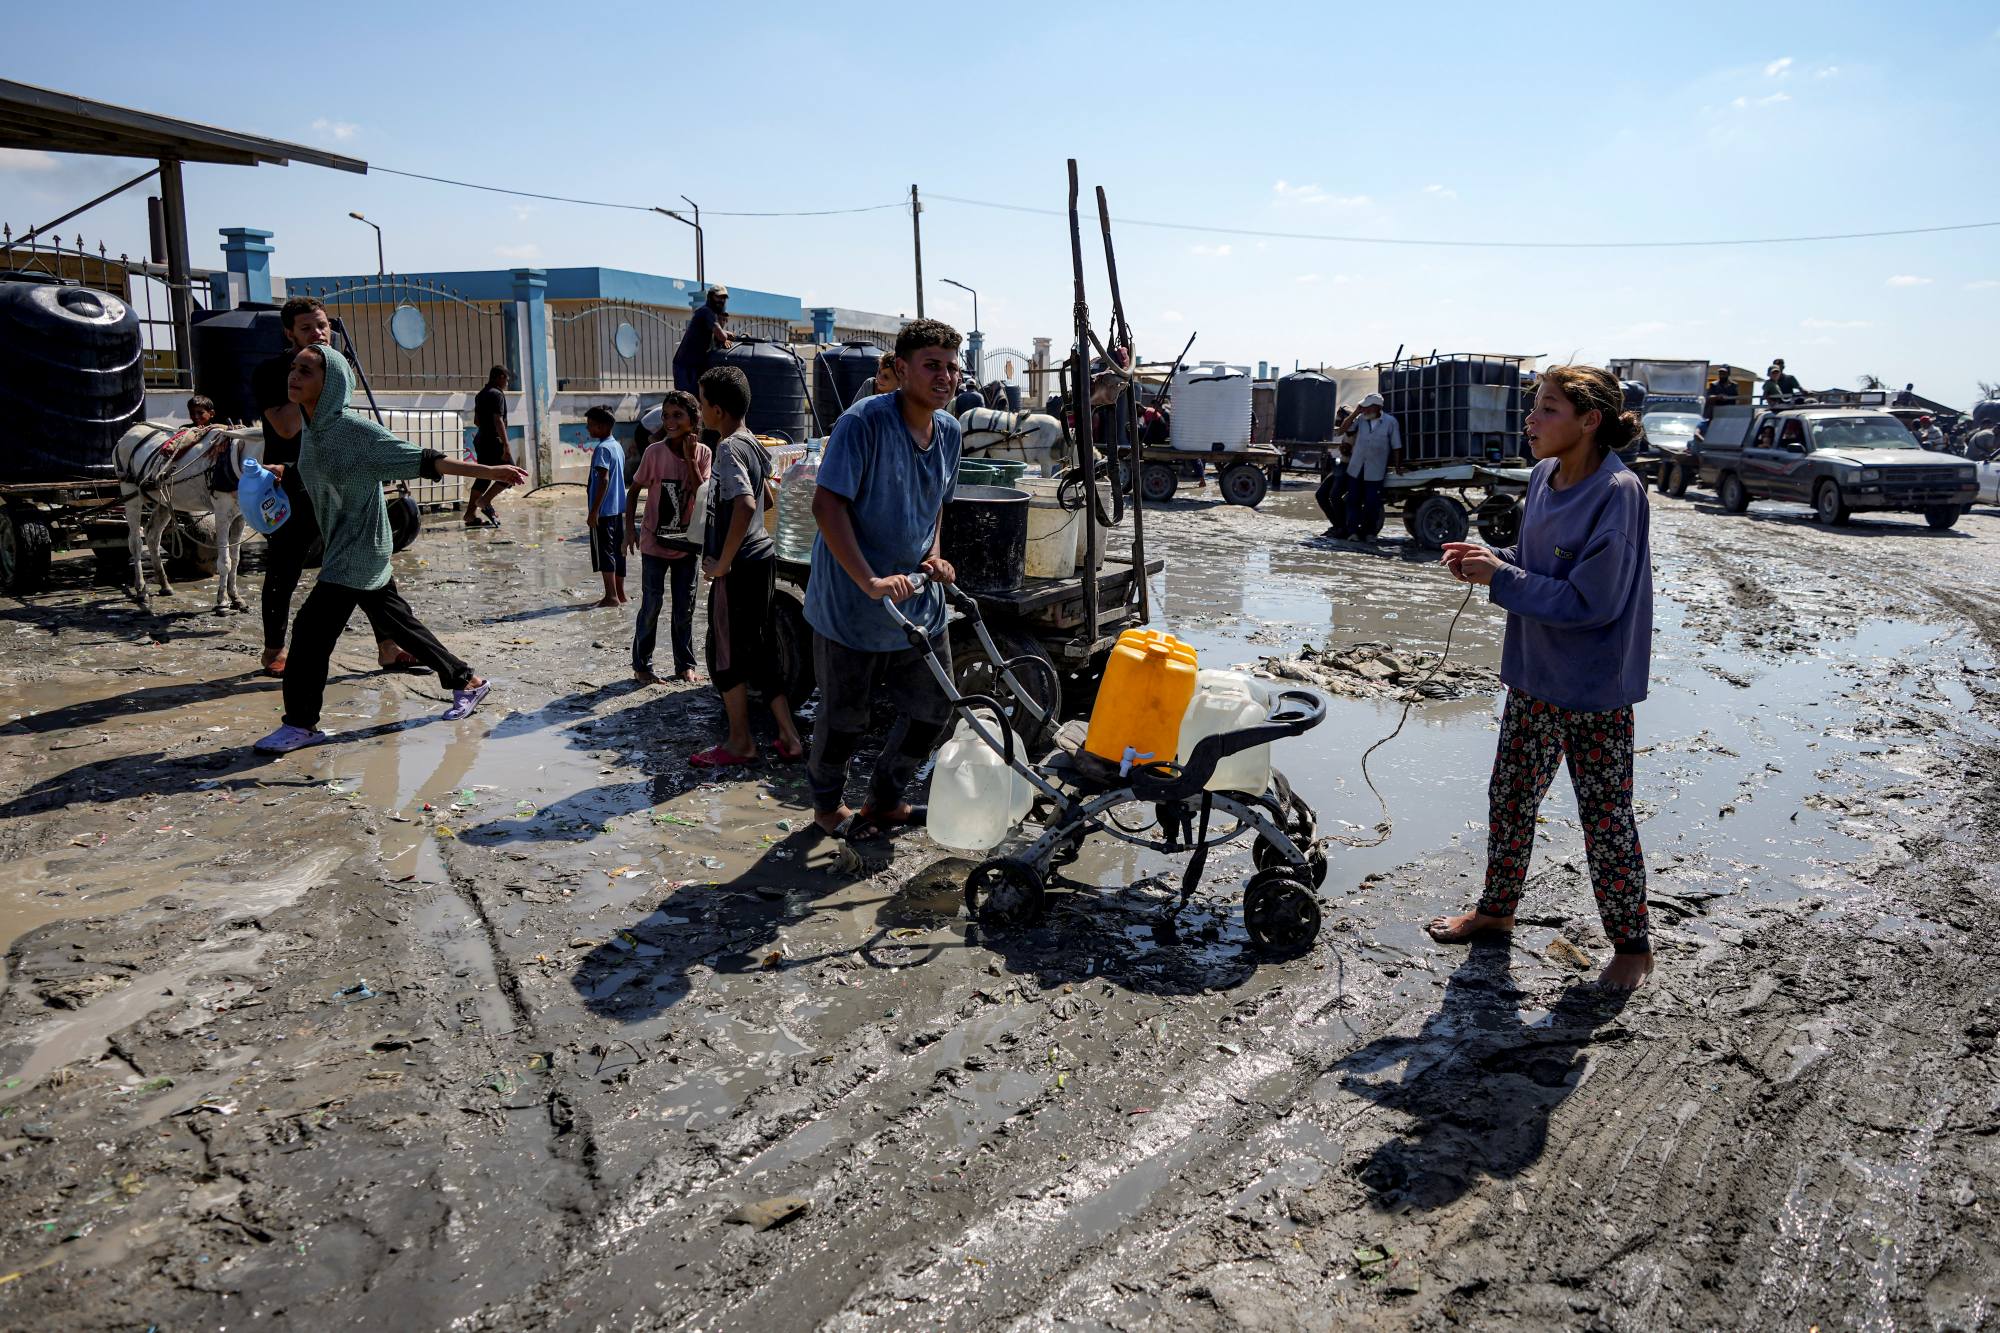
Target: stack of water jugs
(1155,704)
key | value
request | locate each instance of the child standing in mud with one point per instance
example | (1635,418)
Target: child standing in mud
(344,461)
(1578,591)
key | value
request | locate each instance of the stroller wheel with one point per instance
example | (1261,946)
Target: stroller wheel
(1265,856)
(1281,914)
(1003,893)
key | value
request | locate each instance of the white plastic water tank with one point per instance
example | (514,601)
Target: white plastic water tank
(1211,405)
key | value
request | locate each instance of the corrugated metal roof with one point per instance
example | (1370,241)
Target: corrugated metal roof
(42,119)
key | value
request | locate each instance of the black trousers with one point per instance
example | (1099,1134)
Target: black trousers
(848,681)
(285,553)
(325,614)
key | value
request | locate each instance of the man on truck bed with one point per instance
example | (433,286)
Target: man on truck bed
(1780,384)
(1722,393)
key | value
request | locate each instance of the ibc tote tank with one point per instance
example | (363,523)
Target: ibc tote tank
(1211,409)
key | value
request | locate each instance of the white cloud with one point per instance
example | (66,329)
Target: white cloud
(26,159)
(1835,324)
(1306,277)
(518,251)
(342,130)
(1210,251)
(1982,285)
(1827,72)
(1907,280)
(1315,196)
(1172,316)
(1778,68)
(1441,191)
(1743,103)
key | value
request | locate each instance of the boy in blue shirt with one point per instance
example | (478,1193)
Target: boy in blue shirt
(889,468)
(606,493)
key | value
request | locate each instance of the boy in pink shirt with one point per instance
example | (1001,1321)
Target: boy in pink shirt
(669,473)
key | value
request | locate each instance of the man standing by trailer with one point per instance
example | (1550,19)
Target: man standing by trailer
(706,332)
(305,324)
(1378,446)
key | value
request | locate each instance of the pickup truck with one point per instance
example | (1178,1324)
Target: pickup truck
(1836,459)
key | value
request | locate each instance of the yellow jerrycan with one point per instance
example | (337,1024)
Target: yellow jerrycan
(1147,685)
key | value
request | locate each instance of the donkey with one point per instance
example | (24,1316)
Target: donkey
(165,470)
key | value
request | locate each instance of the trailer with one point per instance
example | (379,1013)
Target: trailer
(1244,476)
(1443,504)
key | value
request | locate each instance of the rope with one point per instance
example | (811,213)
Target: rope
(1383,829)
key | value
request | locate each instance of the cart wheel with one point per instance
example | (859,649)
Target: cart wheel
(1004,893)
(974,674)
(26,546)
(1439,519)
(1244,484)
(1264,856)
(1281,915)
(1683,478)
(1500,522)
(1158,481)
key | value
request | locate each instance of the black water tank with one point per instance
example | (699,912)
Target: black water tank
(1307,404)
(840,374)
(228,348)
(72,380)
(778,404)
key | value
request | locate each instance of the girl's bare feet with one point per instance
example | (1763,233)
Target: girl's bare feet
(606,600)
(1462,926)
(1626,971)
(645,678)
(688,677)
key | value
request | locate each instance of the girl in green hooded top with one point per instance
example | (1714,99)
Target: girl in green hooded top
(344,459)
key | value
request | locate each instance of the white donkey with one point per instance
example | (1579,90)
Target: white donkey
(159,481)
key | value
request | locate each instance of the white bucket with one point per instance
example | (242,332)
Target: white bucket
(1053,531)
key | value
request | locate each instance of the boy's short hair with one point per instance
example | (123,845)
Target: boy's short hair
(201,402)
(601,415)
(298,305)
(921,333)
(496,375)
(728,388)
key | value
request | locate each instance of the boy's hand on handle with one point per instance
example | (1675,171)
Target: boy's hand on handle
(939,569)
(897,588)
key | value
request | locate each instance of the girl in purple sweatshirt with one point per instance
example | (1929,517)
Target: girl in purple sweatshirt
(1578,591)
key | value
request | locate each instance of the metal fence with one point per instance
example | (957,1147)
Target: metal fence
(143,286)
(414,334)
(614,347)
(444,431)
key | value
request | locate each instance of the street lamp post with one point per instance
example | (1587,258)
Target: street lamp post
(700,256)
(975,344)
(379,269)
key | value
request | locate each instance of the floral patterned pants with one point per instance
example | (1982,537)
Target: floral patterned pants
(1534,737)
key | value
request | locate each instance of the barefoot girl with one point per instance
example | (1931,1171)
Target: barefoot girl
(1578,591)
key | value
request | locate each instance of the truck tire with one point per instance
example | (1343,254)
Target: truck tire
(1682,478)
(1244,484)
(1942,516)
(1729,489)
(1158,481)
(1500,524)
(1828,506)
(1439,519)
(26,548)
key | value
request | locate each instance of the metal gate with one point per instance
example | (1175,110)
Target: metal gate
(414,335)
(614,347)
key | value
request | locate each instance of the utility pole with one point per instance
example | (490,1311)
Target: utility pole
(917,234)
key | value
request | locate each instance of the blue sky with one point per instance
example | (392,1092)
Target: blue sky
(1445,121)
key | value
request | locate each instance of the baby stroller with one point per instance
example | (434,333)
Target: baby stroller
(1077,794)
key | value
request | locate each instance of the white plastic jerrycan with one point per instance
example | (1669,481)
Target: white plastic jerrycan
(1226,701)
(975,798)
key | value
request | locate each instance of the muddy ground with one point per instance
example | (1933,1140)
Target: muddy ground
(496,1024)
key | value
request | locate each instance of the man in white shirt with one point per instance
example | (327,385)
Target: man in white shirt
(1378,446)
